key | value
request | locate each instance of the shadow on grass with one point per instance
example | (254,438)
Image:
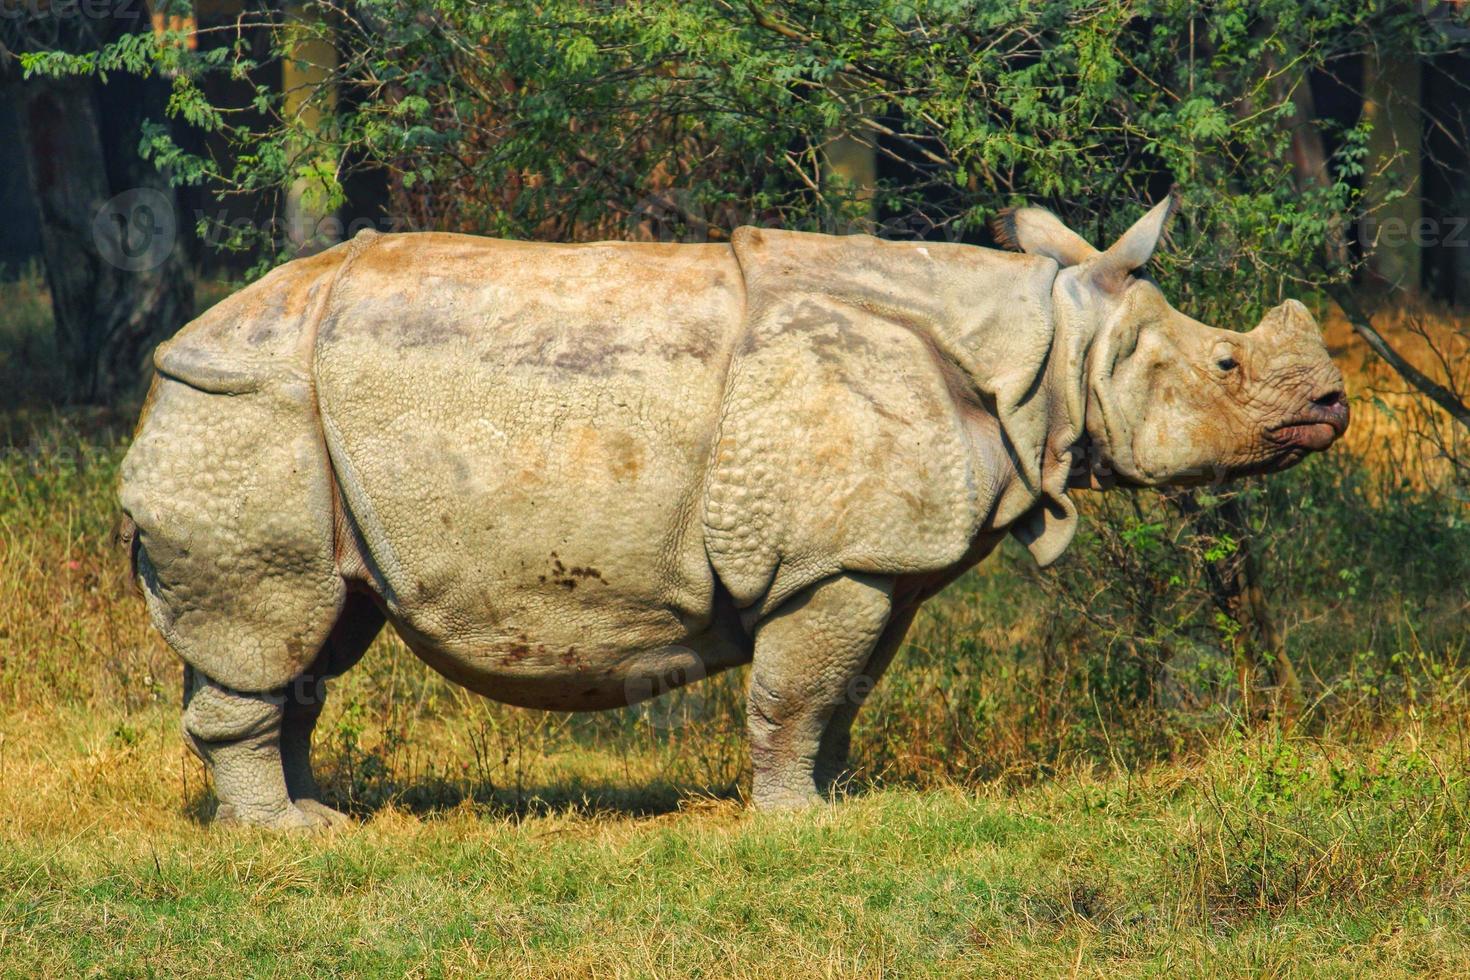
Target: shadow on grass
(431,799)
(565,798)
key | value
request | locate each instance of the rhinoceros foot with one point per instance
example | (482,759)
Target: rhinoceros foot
(323,814)
(784,798)
(290,818)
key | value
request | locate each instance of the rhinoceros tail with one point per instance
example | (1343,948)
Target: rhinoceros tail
(127,537)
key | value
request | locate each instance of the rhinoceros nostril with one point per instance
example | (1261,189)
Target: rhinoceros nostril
(1331,398)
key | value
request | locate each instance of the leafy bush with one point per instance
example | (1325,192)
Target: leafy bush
(568,119)
(1120,654)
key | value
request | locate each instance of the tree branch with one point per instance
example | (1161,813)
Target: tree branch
(765,20)
(1436,392)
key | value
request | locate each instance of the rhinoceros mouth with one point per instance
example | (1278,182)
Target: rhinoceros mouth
(1305,435)
(1315,429)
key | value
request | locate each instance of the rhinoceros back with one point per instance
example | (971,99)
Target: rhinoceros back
(228,483)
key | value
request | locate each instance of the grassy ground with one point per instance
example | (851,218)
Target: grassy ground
(1272,856)
(1019,812)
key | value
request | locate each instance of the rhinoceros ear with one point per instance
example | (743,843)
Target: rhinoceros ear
(1132,251)
(1038,231)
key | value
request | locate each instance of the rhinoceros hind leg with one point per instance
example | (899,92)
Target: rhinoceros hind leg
(809,661)
(237,734)
(354,631)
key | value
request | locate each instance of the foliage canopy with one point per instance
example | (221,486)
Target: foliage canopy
(573,119)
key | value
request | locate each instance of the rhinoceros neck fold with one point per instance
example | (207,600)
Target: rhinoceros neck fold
(995,317)
(1050,525)
(888,403)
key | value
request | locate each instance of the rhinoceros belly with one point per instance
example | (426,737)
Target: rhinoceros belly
(521,434)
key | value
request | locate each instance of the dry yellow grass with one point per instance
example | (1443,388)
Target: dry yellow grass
(1393,427)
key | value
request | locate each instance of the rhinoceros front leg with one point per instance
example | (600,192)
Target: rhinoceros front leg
(832,754)
(809,662)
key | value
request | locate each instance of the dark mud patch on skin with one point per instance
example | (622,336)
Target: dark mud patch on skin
(698,341)
(518,648)
(838,344)
(841,342)
(400,320)
(544,342)
(831,331)
(420,330)
(584,354)
(522,651)
(585,351)
(568,577)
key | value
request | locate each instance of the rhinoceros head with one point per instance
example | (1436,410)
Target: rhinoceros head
(1170,400)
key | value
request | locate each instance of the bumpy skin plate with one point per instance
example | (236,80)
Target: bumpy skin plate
(843,447)
(521,433)
(228,483)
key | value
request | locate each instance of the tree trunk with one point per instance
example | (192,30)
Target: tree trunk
(1308,153)
(63,150)
(1306,143)
(309,99)
(850,163)
(1460,253)
(1391,103)
(854,164)
(109,223)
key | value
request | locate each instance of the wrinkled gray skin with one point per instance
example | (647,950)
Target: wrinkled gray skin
(574,477)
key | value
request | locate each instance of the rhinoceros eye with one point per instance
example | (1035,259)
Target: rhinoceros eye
(1226,364)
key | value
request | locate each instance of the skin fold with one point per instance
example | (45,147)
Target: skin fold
(578,476)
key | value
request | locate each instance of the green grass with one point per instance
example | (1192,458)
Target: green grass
(30,371)
(494,840)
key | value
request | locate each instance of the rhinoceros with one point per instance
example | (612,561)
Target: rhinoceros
(575,476)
